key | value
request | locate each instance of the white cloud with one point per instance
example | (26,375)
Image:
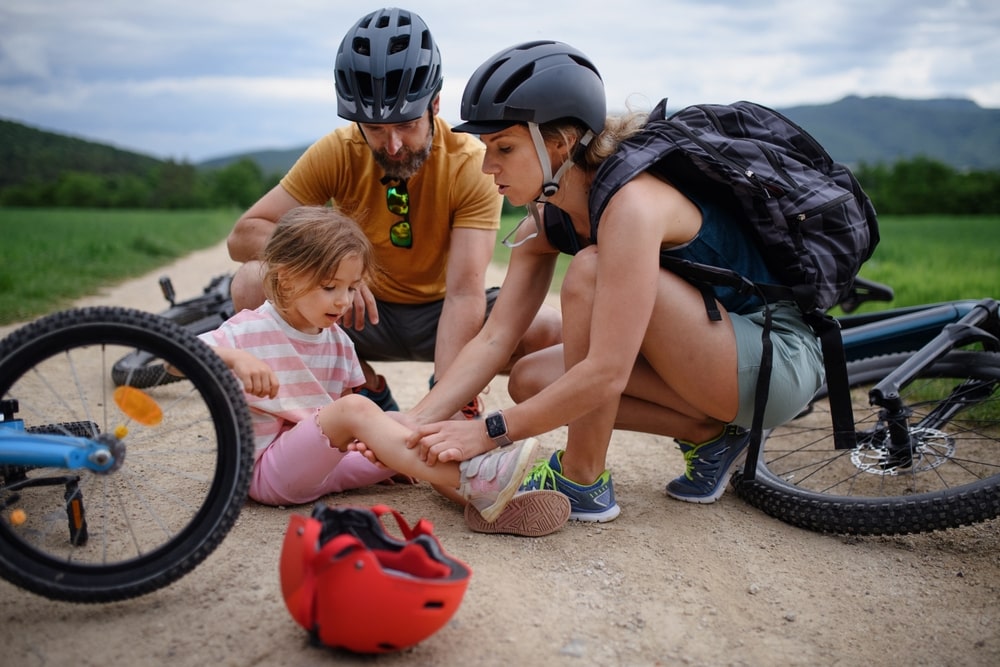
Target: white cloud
(208,78)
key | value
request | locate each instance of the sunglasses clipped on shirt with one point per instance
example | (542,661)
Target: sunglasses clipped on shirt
(397,200)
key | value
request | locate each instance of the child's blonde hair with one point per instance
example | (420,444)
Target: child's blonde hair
(307,246)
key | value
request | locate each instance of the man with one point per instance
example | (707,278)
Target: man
(417,190)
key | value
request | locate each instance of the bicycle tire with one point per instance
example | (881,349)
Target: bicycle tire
(955,480)
(178,490)
(141,369)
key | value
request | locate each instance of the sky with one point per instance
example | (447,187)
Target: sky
(194,80)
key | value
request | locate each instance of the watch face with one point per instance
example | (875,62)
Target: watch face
(495,425)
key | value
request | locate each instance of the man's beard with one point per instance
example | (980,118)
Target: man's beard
(405,168)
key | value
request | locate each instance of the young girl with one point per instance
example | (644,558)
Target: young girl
(299,370)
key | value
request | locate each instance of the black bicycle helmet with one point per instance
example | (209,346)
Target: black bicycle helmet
(533,82)
(388,68)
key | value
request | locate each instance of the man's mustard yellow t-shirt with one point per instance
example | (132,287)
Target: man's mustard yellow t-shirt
(450,190)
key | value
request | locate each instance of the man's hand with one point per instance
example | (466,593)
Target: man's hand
(364,302)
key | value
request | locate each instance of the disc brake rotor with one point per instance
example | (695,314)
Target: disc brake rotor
(931,448)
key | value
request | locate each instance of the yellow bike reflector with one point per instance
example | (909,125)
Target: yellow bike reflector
(138,405)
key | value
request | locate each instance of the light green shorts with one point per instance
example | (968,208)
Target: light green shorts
(797,364)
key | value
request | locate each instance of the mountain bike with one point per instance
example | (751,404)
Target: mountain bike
(199,314)
(924,388)
(110,492)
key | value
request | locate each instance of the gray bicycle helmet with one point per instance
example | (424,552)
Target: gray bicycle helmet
(388,68)
(534,83)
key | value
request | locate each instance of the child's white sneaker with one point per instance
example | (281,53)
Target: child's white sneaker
(490,480)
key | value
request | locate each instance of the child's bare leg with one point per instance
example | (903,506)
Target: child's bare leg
(488,481)
(354,417)
(451,494)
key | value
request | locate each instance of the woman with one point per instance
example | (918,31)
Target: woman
(639,351)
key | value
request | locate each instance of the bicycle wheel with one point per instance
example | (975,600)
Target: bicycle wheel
(952,479)
(141,368)
(81,536)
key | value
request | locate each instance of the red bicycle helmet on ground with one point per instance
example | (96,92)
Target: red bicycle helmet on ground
(352,585)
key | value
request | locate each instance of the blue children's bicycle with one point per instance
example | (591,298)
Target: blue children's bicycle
(112,489)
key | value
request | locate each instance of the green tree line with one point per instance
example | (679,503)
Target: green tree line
(167,185)
(922,185)
(908,187)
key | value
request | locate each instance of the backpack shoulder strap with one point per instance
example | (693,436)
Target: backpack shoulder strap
(634,155)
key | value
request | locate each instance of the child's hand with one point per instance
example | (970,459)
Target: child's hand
(400,478)
(362,448)
(257,377)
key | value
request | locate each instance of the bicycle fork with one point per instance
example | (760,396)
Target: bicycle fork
(899,438)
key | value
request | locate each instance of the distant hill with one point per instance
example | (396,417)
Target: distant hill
(270,161)
(30,155)
(885,130)
(956,132)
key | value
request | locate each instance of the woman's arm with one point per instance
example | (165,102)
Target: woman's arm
(601,346)
(525,286)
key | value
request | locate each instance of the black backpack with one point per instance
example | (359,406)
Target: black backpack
(814,223)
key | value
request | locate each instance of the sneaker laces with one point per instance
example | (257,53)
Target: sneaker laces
(699,458)
(541,476)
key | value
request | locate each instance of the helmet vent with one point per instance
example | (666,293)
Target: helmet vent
(361,46)
(513,82)
(365,89)
(398,44)
(583,62)
(419,79)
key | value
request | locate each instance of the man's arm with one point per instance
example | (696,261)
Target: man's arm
(464,307)
(249,235)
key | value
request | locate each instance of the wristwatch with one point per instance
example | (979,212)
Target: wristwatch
(496,428)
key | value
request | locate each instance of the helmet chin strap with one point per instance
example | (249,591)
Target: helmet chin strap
(550,182)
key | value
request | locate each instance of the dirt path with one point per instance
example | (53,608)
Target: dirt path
(666,583)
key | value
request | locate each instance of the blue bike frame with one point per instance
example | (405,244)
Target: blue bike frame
(46,450)
(898,329)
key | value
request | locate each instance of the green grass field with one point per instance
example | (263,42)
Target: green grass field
(931,258)
(50,257)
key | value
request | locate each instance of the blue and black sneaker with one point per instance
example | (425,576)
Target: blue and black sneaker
(382,397)
(709,466)
(588,503)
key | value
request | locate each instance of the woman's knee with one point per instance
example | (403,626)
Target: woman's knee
(581,277)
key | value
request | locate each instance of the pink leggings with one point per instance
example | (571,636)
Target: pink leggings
(300,466)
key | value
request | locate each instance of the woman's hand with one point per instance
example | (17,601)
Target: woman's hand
(450,440)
